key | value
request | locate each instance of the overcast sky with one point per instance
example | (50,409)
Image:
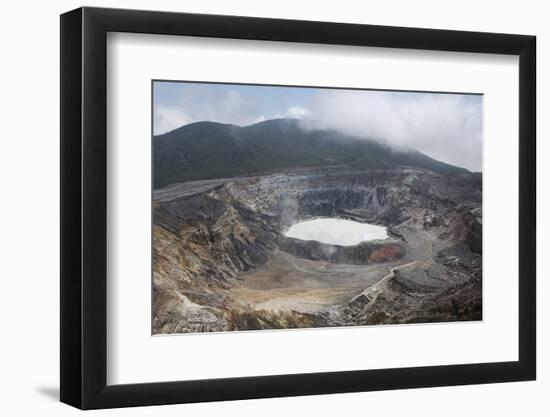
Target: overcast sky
(448,127)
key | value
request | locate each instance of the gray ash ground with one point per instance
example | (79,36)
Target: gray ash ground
(221,261)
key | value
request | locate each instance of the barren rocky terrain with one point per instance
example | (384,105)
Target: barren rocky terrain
(221,261)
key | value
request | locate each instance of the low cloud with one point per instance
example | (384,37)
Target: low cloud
(167,118)
(296,112)
(447,127)
(224,106)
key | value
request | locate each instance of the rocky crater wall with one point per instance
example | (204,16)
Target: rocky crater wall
(361,254)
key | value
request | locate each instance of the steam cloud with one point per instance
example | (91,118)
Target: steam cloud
(288,207)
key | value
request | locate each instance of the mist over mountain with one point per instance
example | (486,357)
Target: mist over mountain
(206,150)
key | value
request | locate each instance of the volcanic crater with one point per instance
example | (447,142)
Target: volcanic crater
(221,260)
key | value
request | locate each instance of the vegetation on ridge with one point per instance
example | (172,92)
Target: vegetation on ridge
(206,150)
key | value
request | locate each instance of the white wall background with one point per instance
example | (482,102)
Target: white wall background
(29,228)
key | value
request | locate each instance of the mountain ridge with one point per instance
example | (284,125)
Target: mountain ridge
(207,150)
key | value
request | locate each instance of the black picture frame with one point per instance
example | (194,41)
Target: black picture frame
(84,207)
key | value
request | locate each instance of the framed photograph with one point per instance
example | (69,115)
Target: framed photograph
(256,208)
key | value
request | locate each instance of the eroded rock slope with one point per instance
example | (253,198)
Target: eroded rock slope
(221,262)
